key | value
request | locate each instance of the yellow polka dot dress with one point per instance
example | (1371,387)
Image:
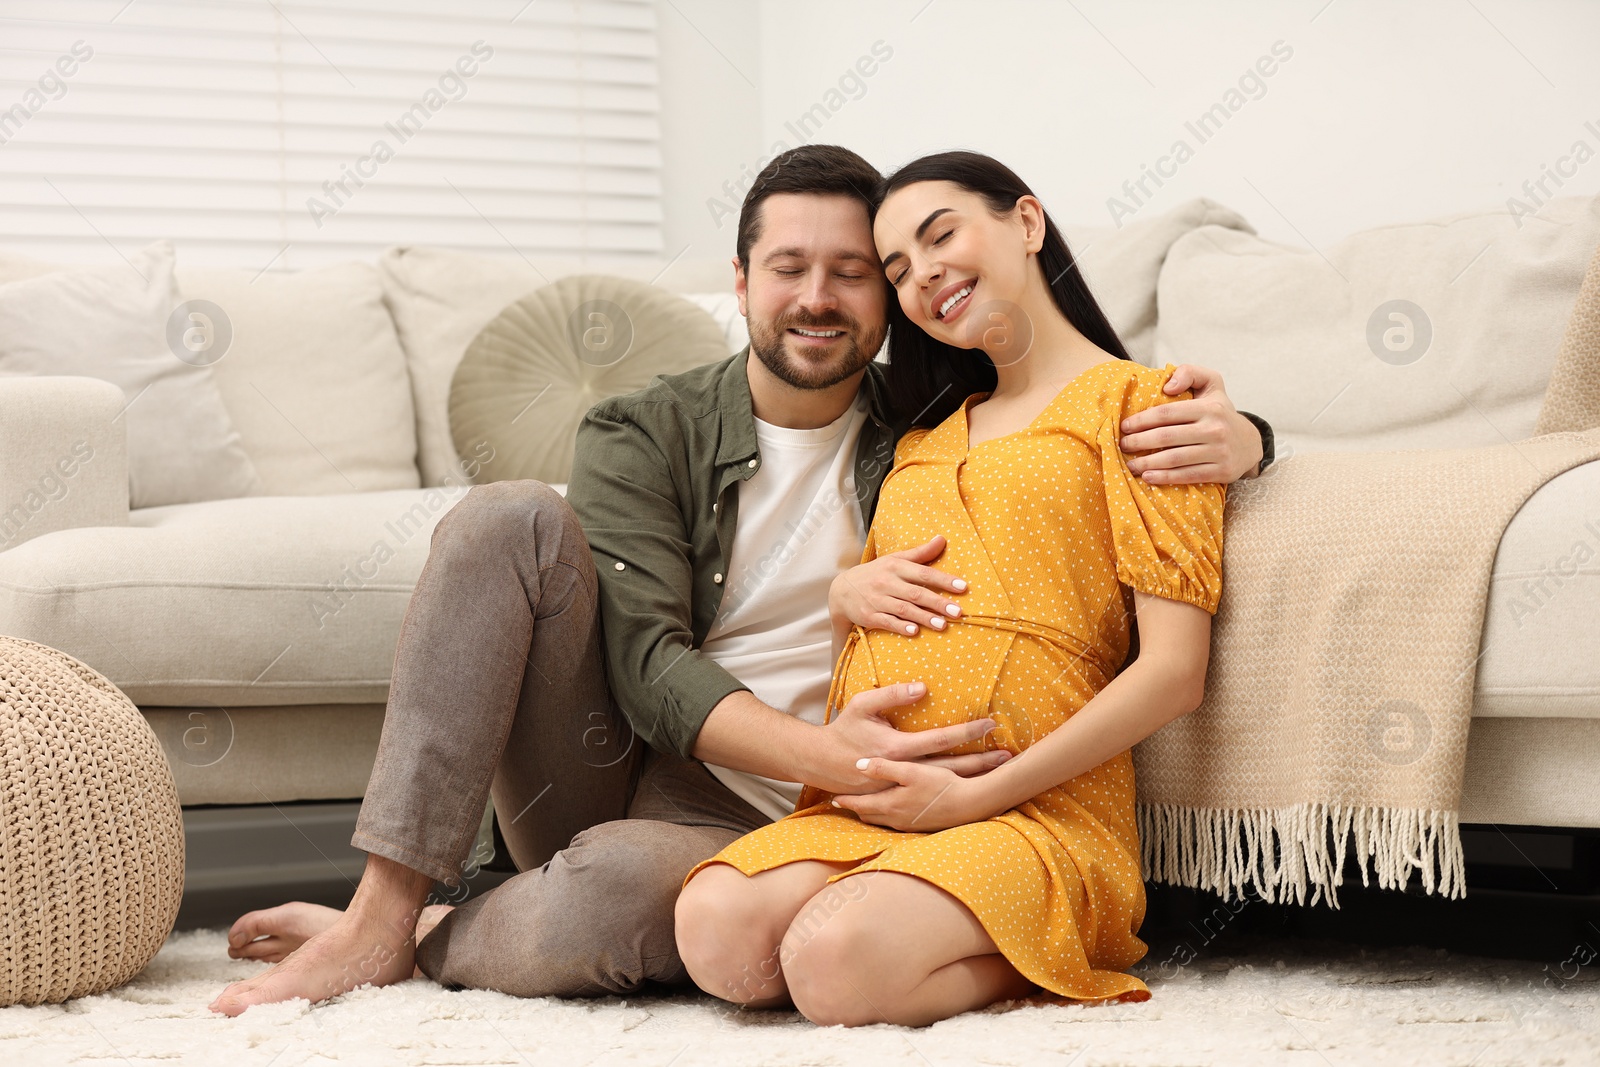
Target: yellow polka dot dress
(1050,530)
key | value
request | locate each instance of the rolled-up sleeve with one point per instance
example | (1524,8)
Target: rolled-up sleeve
(628,500)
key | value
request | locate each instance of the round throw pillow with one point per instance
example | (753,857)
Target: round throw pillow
(526,380)
(91,834)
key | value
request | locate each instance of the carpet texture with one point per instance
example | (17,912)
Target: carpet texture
(1253,1002)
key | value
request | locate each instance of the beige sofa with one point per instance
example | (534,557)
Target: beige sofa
(258,633)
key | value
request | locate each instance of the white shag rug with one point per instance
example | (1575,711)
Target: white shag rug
(1257,1002)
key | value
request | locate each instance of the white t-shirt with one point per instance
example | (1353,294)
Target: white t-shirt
(799,526)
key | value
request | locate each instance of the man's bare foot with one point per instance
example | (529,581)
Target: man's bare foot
(272,933)
(372,943)
(352,952)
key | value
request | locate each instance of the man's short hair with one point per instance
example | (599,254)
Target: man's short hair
(817,169)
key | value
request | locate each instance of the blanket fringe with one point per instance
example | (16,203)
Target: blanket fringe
(1282,851)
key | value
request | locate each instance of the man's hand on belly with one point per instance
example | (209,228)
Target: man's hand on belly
(743,734)
(862,730)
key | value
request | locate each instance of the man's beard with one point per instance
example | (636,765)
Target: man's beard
(767,342)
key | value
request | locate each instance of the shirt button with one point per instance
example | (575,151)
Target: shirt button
(717,578)
(713,509)
(621,566)
(754,462)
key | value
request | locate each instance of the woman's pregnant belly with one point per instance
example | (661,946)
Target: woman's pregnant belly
(1027,684)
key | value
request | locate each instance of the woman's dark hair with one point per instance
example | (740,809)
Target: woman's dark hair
(929,380)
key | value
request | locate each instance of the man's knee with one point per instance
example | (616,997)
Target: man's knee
(612,892)
(532,526)
(727,938)
(515,514)
(595,921)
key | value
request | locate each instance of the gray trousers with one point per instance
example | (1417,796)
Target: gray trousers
(499,686)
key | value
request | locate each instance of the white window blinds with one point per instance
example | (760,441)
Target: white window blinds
(269,134)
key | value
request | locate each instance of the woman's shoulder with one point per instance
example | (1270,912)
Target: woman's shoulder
(1126,386)
(1108,392)
(1126,373)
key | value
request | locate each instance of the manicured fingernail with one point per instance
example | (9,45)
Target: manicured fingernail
(861,764)
(936,622)
(835,803)
(952,609)
(959,583)
(918,688)
(911,627)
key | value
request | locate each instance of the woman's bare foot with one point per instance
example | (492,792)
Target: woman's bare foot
(370,944)
(272,933)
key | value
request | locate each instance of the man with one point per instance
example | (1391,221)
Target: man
(707,517)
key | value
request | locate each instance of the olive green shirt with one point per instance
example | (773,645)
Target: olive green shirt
(653,483)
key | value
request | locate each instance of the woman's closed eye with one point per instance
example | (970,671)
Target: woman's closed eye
(896,279)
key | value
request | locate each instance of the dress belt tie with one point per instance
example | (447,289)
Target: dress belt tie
(1059,638)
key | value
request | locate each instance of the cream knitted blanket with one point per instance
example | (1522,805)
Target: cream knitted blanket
(1343,658)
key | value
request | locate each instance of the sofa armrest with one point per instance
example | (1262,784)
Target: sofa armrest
(63,456)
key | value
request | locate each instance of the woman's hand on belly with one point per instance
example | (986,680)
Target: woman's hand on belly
(898,592)
(921,797)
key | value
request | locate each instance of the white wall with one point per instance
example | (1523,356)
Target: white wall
(709,66)
(1383,113)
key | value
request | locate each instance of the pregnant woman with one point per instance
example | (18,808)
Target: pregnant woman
(942,894)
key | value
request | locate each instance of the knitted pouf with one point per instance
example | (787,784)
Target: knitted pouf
(91,835)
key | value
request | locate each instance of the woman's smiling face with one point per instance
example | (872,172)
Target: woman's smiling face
(945,253)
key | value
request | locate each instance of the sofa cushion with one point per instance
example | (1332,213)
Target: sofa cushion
(528,378)
(1573,400)
(1541,634)
(1122,264)
(248,602)
(15,268)
(315,378)
(440,300)
(1423,335)
(117,323)
(724,310)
